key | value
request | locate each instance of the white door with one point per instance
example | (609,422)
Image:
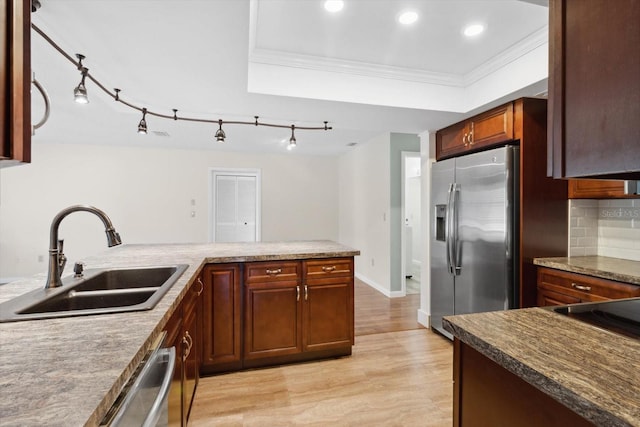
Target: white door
(235,206)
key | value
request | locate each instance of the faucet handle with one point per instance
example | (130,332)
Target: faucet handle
(62,259)
(78,268)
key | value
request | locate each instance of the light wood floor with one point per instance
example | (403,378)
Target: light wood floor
(398,375)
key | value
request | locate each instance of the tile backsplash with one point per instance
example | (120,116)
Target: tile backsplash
(605,227)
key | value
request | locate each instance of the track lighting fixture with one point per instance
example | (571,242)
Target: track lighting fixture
(142,126)
(80,93)
(292,140)
(220,135)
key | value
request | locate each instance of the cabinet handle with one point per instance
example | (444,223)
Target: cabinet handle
(201,286)
(581,287)
(188,342)
(464,139)
(329,269)
(470,137)
(297,293)
(306,293)
(274,272)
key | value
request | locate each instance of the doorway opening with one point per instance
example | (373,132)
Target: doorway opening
(411,227)
(234,205)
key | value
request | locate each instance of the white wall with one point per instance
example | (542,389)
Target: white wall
(147,193)
(364,209)
(427,157)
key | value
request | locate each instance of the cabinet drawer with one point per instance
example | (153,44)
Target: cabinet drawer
(272,271)
(328,267)
(580,285)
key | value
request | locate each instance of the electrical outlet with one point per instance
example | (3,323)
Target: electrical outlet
(193,214)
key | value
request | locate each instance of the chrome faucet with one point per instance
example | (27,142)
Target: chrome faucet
(57,259)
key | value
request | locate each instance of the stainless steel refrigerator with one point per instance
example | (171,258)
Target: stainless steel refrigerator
(474,234)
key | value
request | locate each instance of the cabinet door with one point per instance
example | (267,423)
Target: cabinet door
(15,77)
(190,364)
(451,141)
(221,316)
(597,189)
(273,319)
(328,304)
(490,128)
(547,297)
(594,88)
(174,339)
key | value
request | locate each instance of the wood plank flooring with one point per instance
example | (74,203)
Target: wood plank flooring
(398,375)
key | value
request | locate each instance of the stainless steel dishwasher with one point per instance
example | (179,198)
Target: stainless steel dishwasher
(143,400)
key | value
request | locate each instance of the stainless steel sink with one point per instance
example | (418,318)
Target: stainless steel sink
(97,292)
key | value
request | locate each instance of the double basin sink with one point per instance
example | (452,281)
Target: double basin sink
(98,291)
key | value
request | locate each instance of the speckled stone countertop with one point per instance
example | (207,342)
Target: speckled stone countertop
(591,371)
(622,270)
(68,371)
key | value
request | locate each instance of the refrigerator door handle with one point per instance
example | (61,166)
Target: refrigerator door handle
(456,267)
(447,228)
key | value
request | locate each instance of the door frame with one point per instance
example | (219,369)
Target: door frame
(403,255)
(213,174)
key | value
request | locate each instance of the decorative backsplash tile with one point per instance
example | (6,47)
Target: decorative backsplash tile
(605,227)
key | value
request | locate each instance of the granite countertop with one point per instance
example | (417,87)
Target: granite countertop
(68,371)
(590,370)
(622,270)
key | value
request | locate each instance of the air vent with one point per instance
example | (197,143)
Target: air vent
(159,133)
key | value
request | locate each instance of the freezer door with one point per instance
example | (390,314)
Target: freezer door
(442,177)
(485,216)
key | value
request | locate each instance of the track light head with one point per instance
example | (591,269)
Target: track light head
(220,135)
(80,92)
(142,126)
(292,140)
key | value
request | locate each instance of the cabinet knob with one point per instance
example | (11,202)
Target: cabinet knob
(581,287)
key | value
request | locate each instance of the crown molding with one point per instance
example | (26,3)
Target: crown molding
(286,59)
(512,53)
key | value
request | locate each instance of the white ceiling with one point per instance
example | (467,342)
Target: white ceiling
(287,61)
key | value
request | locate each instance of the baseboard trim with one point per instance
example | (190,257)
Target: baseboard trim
(384,291)
(424,318)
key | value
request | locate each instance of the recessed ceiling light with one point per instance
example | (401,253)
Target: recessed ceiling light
(334,5)
(408,18)
(473,30)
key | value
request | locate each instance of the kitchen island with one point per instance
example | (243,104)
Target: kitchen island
(68,371)
(537,367)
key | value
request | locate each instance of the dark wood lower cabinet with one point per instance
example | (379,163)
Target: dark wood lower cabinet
(486,394)
(328,305)
(273,317)
(557,287)
(273,312)
(221,318)
(183,333)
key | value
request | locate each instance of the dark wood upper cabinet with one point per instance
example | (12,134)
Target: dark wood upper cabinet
(15,74)
(594,89)
(491,128)
(598,189)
